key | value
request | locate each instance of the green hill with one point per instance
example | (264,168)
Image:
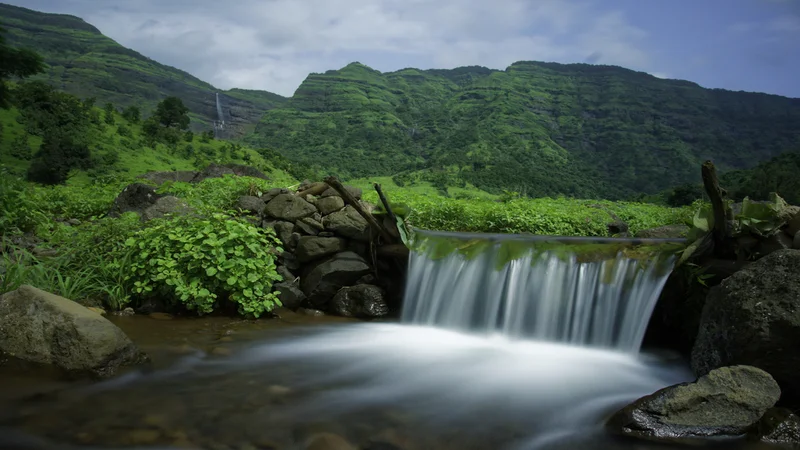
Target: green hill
(86,63)
(536,128)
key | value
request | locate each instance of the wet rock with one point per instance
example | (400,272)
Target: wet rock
(362,301)
(308,226)
(164,206)
(274,192)
(135,197)
(324,279)
(779,426)
(44,328)
(331,192)
(348,223)
(726,402)
(328,205)
(310,248)
(290,294)
(328,441)
(665,232)
(289,207)
(251,204)
(125,312)
(310,312)
(752,318)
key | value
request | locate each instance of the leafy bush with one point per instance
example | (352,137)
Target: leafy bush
(216,193)
(196,261)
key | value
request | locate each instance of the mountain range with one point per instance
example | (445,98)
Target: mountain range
(535,128)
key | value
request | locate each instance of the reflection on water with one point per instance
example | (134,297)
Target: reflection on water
(378,386)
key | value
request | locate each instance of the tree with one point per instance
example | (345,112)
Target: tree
(108,110)
(172,113)
(132,114)
(16,62)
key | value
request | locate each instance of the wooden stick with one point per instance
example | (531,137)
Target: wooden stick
(314,189)
(711,184)
(385,202)
(349,199)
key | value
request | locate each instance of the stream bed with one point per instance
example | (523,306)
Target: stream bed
(303,382)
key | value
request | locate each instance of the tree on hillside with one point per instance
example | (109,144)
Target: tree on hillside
(16,62)
(132,114)
(172,113)
(108,112)
(64,123)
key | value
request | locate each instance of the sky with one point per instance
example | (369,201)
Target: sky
(749,45)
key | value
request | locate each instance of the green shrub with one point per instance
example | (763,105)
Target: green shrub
(199,260)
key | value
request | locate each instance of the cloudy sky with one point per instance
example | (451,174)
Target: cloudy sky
(751,45)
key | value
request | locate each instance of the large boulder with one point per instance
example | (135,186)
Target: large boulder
(348,223)
(310,248)
(753,318)
(40,327)
(136,197)
(328,205)
(363,301)
(164,206)
(727,401)
(251,204)
(323,280)
(289,207)
(159,178)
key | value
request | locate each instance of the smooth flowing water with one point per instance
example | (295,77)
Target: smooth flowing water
(509,347)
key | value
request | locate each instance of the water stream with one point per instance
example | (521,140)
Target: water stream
(504,343)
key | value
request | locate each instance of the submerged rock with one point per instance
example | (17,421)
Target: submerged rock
(40,327)
(291,296)
(363,301)
(726,402)
(753,318)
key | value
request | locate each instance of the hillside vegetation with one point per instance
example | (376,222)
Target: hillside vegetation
(86,63)
(535,128)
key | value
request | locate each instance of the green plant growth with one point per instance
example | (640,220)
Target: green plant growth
(202,261)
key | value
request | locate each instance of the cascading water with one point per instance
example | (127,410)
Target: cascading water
(540,294)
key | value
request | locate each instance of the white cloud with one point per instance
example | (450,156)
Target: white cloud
(274,44)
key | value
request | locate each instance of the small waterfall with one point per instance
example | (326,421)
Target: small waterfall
(597,293)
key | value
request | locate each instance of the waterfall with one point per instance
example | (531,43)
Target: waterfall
(597,293)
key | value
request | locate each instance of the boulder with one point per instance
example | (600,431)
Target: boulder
(159,178)
(274,192)
(289,207)
(362,301)
(753,318)
(726,402)
(665,232)
(328,205)
(220,170)
(43,328)
(135,197)
(164,206)
(779,426)
(348,223)
(291,296)
(310,248)
(796,241)
(251,204)
(773,243)
(331,192)
(323,280)
(283,230)
(309,226)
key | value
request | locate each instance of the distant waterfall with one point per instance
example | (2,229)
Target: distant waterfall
(579,291)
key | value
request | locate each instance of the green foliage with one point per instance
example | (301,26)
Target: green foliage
(172,113)
(685,194)
(132,114)
(108,113)
(18,63)
(218,194)
(777,175)
(761,218)
(199,261)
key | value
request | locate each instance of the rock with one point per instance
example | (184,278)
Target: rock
(348,223)
(284,272)
(289,207)
(294,239)
(665,232)
(136,197)
(331,192)
(793,225)
(796,241)
(618,228)
(362,301)
(310,248)
(125,312)
(97,310)
(328,441)
(274,192)
(331,204)
(220,170)
(164,206)
(44,328)
(310,312)
(753,318)
(251,204)
(290,261)
(159,178)
(308,226)
(326,234)
(323,280)
(74,222)
(779,426)
(284,231)
(775,242)
(290,295)
(726,402)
